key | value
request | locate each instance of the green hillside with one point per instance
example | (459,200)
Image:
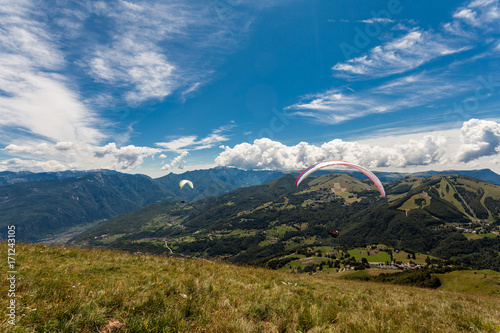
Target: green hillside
(268,222)
(54,205)
(100,290)
(40,209)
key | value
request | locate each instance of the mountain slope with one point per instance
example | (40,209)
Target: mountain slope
(39,209)
(174,217)
(215,181)
(255,223)
(9,178)
(386,177)
(48,204)
(44,205)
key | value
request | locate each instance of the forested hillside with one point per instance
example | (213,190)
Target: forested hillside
(42,208)
(452,217)
(49,204)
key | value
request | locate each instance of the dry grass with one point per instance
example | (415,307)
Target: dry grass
(76,290)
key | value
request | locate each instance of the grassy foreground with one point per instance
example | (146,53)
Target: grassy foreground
(76,290)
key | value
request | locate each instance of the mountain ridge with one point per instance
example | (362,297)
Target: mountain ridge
(55,213)
(256,224)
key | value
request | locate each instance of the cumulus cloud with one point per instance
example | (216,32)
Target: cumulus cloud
(143,68)
(178,162)
(479,138)
(127,157)
(71,155)
(17,164)
(268,154)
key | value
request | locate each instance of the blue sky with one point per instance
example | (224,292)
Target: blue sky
(155,87)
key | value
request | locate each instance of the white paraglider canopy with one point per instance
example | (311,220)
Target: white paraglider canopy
(184,182)
(323,164)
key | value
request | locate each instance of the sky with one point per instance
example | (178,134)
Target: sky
(154,87)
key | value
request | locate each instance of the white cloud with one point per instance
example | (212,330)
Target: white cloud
(372,20)
(191,142)
(126,158)
(467,15)
(35,100)
(476,142)
(336,106)
(421,46)
(400,55)
(178,162)
(17,164)
(479,138)
(134,51)
(483,14)
(147,54)
(73,155)
(267,154)
(139,66)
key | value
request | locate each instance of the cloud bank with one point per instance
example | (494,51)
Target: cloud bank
(478,138)
(71,155)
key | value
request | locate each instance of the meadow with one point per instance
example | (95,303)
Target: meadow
(60,289)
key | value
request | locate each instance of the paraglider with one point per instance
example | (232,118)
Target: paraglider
(323,164)
(184,182)
(334,233)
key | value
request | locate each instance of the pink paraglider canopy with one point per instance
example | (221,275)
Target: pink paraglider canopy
(323,164)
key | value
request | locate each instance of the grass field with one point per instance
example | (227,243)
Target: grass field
(479,236)
(360,253)
(78,290)
(484,281)
(403,257)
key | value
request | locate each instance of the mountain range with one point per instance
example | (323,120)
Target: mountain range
(47,204)
(257,224)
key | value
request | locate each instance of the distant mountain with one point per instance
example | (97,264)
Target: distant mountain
(42,208)
(260,223)
(215,181)
(484,174)
(45,204)
(9,177)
